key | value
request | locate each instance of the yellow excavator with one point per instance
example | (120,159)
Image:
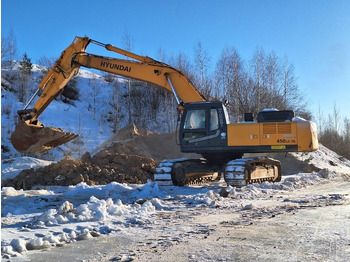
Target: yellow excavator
(204,125)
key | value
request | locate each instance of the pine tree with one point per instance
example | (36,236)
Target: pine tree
(26,65)
(24,81)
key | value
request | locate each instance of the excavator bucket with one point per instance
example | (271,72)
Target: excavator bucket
(35,138)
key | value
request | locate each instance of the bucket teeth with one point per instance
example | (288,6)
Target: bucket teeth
(30,138)
(66,137)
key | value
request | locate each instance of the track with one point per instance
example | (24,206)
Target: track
(180,172)
(237,173)
(163,172)
(244,171)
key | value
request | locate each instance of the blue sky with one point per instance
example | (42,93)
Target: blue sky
(313,34)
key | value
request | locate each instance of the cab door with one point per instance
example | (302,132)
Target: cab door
(217,127)
(195,127)
(202,127)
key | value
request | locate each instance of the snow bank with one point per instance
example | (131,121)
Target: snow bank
(12,167)
(95,210)
(288,183)
(326,159)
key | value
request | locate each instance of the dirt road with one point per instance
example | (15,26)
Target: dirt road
(307,224)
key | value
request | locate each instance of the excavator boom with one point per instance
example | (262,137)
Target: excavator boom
(30,136)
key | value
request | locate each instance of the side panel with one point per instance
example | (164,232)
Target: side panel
(279,133)
(273,136)
(307,132)
(243,134)
(262,134)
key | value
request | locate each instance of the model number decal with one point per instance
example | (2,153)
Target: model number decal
(285,141)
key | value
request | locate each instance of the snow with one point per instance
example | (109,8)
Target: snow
(26,212)
(10,168)
(326,159)
(270,110)
(55,216)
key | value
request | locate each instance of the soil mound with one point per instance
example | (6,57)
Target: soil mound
(102,169)
(131,140)
(130,156)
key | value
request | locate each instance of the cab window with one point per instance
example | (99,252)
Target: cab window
(214,119)
(195,119)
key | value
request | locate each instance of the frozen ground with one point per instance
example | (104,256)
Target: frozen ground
(305,217)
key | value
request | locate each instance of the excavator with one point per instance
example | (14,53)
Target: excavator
(204,126)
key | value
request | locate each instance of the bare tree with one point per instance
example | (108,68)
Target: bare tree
(230,79)
(347,131)
(9,48)
(333,137)
(347,138)
(128,44)
(258,65)
(115,103)
(128,41)
(268,82)
(47,63)
(289,86)
(94,96)
(336,118)
(201,68)
(320,120)
(183,64)
(272,79)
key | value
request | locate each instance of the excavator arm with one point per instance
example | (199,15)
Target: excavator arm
(31,136)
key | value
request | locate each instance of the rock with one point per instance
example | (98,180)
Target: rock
(86,157)
(324,173)
(223,192)
(248,207)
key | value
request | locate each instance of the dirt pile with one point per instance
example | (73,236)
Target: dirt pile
(140,142)
(101,169)
(130,156)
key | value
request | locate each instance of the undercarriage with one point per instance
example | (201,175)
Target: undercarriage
(237,173)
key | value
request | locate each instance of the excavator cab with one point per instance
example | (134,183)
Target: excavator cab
(203,128)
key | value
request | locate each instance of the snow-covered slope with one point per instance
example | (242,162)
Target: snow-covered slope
(90,116)
(76,118)
(325,159)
